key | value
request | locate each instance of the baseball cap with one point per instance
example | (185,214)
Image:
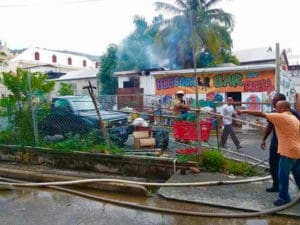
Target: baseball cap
(179,93)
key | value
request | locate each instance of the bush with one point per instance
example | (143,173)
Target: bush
(183,158)
(8,137)
(75,142)
(239,168)
(88,143)
(213,160)
(24,128)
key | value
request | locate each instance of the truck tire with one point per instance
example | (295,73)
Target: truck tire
(161,136)
(118,140)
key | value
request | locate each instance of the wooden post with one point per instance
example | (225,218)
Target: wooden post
(101,123)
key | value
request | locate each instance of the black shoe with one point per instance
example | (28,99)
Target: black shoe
(280,202)
(238,148)
(223,146)
(272,189)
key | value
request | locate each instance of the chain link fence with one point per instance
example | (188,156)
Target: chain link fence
(17,127)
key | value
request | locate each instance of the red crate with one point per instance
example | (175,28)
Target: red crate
(185,130)
(187,151)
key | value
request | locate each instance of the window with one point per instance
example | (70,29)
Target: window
(69,61)
(36,56)
(84,63)
(54,59)
(61,105)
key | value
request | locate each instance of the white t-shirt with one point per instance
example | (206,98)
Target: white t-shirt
(227,111)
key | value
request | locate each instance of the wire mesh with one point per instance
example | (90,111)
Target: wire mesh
(156,110)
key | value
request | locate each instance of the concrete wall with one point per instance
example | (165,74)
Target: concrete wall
(114,164)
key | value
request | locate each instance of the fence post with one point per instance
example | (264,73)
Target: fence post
(35,130)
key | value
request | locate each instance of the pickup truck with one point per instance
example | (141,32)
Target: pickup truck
(77,114)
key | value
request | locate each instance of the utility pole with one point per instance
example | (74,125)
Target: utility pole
(277,70)
(101,123)
(196,80)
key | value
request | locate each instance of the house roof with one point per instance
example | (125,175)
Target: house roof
(138,72)
(218,69)
(45,57)
(294,60)
(79,74)
(255,55)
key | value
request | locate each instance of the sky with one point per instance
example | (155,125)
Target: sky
(89,26)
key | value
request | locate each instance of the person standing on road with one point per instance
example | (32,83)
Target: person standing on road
(227,112)
(287,128)
(273,155)
(180,109)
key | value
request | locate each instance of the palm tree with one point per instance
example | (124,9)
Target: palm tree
(196,27)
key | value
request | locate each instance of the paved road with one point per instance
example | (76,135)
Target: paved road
(33,207)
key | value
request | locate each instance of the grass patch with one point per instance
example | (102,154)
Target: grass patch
(85,143)
(189,157)
(214,161)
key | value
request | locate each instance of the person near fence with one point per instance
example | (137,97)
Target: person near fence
(273,154)
(227,112)
(287,128)
(179,107)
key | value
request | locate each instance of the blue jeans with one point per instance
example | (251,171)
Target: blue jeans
(285,166)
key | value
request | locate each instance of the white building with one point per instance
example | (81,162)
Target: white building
(54,63)
(36,57)
(78,79)
(245,84)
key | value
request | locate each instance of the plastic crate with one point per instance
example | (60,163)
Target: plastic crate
(187,151)
(185,130)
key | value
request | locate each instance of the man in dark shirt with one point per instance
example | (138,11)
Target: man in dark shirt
(273,155)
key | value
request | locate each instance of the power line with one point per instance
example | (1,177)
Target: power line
(29,4)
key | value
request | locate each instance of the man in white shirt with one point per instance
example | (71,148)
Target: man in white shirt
(227,111)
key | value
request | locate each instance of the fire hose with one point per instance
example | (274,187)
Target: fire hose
(151,208)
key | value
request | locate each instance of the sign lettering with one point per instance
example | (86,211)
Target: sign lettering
(258,85)
(231,80)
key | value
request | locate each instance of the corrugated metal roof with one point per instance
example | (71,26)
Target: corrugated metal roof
(80,74)
(255,54)
(217,69)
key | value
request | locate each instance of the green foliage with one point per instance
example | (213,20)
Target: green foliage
(75,142)
(65,89)
(24,128)
(103,148)
(20,117)
(240,168)
(108,65)
(7,105)
(213,160)
(137,51)
(195,27)
(22,131)
(8,136)
(183,158)
(17,84)
(87,143)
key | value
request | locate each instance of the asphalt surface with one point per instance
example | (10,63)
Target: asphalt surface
(249,196)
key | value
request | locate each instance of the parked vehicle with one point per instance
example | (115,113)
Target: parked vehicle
(77,114)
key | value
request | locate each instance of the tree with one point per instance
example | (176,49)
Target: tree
(66,89)
(20,96)
(108,63)
(195,28)
(18,86)
(137,50)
